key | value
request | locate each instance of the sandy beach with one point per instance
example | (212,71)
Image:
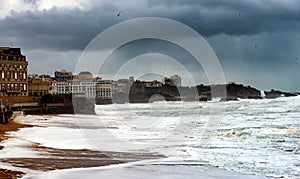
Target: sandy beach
(53,159)
(52,162)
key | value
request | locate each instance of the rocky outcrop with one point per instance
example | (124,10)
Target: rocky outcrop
(276,93)
(235,91)
(139,93)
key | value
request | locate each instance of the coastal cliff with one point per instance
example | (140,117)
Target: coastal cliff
(140,93)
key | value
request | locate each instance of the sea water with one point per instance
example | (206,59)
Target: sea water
(248,136)
(257,137)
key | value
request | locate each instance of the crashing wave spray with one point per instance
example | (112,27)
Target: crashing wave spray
(262,94)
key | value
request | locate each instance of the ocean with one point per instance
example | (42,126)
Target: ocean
(234,139)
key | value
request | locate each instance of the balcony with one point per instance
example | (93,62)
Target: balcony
(13,91)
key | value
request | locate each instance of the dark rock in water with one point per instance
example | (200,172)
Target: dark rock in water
(141,92)
(235,91)
(203,98)
(275,94)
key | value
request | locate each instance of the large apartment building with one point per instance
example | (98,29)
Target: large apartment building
(82,84)
(13,72)
(104,89)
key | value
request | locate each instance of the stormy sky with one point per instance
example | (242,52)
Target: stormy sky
(256,41)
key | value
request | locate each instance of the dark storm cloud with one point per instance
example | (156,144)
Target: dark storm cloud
(257,41)
(55,28)
(72,29)
(233,17)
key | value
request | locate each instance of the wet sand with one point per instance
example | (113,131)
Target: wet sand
(52,159)
(9,127)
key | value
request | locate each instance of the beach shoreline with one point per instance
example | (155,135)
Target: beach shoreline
(57,159)
(84,159)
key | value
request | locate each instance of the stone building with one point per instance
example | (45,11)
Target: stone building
(104,89)
(82,84)
(38,85)
(13,73)
(63,75)
(85,76)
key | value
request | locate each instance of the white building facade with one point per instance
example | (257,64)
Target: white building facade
(87,89)
(104,89)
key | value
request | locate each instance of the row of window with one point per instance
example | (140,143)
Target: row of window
(104,94)
(13,66)
(13,75)
(13,86)
(2,57)
(103,89)
(74,88)
(37,93)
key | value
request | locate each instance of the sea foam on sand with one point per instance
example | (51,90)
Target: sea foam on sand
(145,170)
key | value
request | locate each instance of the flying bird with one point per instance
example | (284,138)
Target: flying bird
(119,14)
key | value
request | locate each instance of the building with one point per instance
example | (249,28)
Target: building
(63,75)
(13,72)
(82,84)
(174,80)
(153,84)
(122,85)
(38,85)
(78,88)
(85,76)
(104,89)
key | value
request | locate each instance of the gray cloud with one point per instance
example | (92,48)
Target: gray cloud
(256,41)
(33,2)
(66,29)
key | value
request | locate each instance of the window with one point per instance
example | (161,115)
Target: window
(24,76)
(25,87)
(21,87)
(16,75)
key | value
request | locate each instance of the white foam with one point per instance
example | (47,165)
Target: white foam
(275,131)
(56,137)
(262,94)
(264,121)
(16,147)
